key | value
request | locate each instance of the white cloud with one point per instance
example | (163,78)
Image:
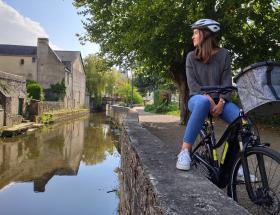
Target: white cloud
(19,30)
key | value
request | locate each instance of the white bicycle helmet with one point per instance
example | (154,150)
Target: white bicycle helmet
(212,25)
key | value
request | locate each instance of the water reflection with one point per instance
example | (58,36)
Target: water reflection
(82,148)
(96,141)
(39,156)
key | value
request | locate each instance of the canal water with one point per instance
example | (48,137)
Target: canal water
(67,168)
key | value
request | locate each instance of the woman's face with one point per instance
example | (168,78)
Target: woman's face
(196,37)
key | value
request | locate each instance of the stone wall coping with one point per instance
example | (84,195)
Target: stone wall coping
(177,192)
(12,77)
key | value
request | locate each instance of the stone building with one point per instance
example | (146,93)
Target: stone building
(43,64)
(12,99)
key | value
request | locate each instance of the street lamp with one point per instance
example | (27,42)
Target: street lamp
(132,85)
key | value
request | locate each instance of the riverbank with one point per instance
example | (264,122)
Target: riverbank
(150,183)
(61,115)
(46,118)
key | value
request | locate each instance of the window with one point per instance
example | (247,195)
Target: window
(33,59)
(21,61)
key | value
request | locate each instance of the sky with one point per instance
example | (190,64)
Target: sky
(23,21)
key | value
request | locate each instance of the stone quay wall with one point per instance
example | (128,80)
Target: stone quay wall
(150,183)
(37,108)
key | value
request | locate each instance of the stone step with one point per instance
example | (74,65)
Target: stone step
(16,129)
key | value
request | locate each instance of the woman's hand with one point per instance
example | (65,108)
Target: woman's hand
(212,103)
(218,109)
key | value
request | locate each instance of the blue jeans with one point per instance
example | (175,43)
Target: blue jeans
(199,106)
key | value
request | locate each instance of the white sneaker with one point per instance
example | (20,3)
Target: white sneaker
(184,160)
(240,175)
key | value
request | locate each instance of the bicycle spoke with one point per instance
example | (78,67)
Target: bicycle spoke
(262,163)
(275,171)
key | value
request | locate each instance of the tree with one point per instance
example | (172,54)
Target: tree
(124,90)
(96,70)
(148,83)
(156,35)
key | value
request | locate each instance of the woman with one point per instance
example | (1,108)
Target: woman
(207,65)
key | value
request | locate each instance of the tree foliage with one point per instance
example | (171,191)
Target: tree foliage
(156,35)
(97,75)
(124,90)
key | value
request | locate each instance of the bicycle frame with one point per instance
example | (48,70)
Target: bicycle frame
(241,133)
(240,129)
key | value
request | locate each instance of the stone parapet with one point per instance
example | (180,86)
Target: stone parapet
(150,183)
(12,77)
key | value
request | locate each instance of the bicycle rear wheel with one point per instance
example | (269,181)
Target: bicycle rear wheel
(263,164)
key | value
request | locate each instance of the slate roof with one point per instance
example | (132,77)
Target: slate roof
(17,50)
(69,56)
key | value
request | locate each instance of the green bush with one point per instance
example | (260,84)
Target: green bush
(162,108)
(47,118)
(28,82)
(165,107)
(59,88)
(35,90)
(150,108)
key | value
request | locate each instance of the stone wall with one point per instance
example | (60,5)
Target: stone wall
(12,92)
(37,108)
(150,183)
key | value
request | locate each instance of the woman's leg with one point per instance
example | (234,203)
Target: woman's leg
(230,112)
(199,106)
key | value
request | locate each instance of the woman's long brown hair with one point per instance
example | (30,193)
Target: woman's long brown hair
(205,50)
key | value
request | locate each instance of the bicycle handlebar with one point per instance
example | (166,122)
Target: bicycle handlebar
(217,89)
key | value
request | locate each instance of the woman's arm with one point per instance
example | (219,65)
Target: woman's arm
(226,77)
(193,84)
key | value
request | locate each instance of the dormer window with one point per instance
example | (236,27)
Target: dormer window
(21,61)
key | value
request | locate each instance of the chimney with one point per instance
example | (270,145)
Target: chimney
(42,49)
(43,41)
(42,57)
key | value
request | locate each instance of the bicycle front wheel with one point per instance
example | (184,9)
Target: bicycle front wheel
(264,168)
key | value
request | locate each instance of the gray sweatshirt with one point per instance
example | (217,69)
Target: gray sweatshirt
(216,72)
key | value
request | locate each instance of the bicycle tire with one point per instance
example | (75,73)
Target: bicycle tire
(237,188)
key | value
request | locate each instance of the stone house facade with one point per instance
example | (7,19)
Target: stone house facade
(43,64)
(12,99)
